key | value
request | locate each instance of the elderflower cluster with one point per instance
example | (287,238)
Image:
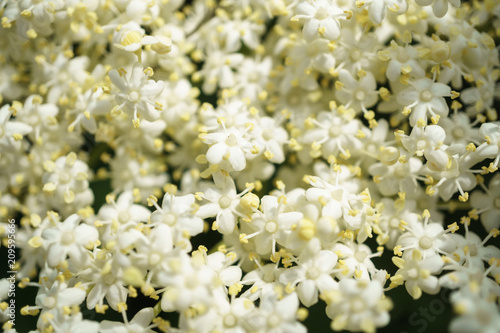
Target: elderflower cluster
(300,142)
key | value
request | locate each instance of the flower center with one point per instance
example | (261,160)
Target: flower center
(359,95)
(192,281)
(271,227)
(63,77)
(355,55)
(401,171)
(64,176)
(458,132)
(123,216)
(231,140)
(154,258)
(360,256)
(426,96)
(268,276)
(421,144)
(67,237)
(357,305)
(440,51)
(403,56)
(224,202)
(81,106)
(321,13)
(394,222)
(371,148)
(274,320)
(334,131)
(109,279)
(134,96)
(473,249)
(49,302)
(230,320)
(413,273)
(254,76)
(425,242)
(34,119)
(169,219)
(267,134)
(125,174)
(312,273)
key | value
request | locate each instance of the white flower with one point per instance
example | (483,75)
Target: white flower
(69,238)
(186,283)
(334,133)
(487,204)
(241,29)
(252,77)
(417,273)
(229,274)
(358,94)
(475,315)
(61,75)
(140,323)
(358,305)
(425,141)
(457,174)
(74,323)
(425,97)
(230,146)
(222,204)
(356,50)
(333,198)
(129,173)
(471,251)
(398,177)
(54,298)
(401,59)
(66,183)
(321,19)
(104,279)
(39,116)
(270,138)
(233,315)
(218,70)
(121,214)
(136,93)
(482,97)
(87,106)
(354,260)
(439,7)
(152,251)
(131,39)
(378,8)
(41,15)
(460,129)
(393,218)
(470,279)
(11,130)
(178,213)
(274,316)
(263,281)
(312,274)
(491,133)
(428,238)
(272,224)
